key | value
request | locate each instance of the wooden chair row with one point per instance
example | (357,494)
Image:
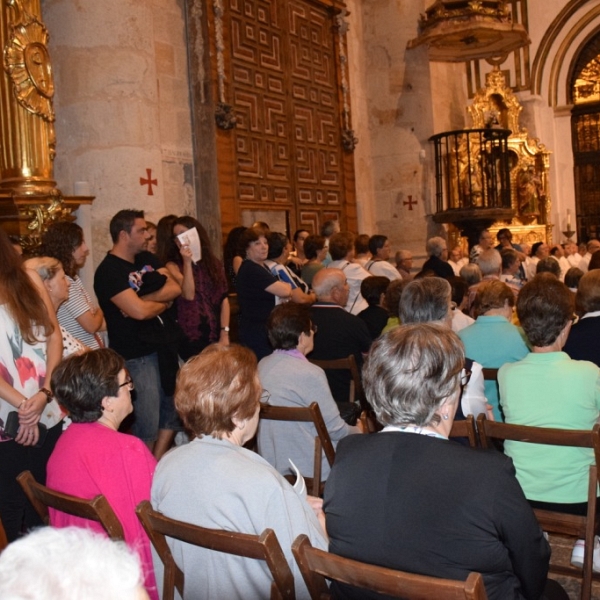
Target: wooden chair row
(316,566)
(339,568)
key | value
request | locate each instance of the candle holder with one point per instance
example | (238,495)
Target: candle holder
(569,234)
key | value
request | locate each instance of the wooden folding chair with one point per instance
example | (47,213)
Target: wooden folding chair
(490,374)
(575,526)
(3,540)
(260,547)
(467,430)
(97,509)
(348,363)
(357,392)
(309,414)
(316,566)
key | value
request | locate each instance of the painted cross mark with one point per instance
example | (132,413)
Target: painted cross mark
(410,202)
(150,182)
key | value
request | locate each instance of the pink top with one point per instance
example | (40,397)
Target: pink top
(91,459)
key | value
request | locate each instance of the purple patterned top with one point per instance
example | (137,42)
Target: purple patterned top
(200,318)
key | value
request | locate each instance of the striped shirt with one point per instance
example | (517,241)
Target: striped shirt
(79,303)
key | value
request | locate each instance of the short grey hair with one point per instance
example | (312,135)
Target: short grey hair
(69,563)
(403,255)
(411,371)
(425,300)
(471,273)
(490,262)
(435,246)
(325,280)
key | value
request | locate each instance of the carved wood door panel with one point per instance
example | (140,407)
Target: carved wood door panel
(281,69)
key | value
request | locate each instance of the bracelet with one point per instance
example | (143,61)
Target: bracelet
(49,394)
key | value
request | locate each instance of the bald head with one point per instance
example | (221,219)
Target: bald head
(330,286)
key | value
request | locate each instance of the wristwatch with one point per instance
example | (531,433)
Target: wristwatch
(226,329)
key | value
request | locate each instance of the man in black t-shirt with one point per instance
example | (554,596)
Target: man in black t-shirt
(133,290)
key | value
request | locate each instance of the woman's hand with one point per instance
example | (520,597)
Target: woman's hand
(31,410)
(28,435)
(186,254)
(317,505)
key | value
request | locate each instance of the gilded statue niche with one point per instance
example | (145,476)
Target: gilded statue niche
(29,198)
(497,106)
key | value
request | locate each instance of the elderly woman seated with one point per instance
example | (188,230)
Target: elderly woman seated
(408,498)
(292,381)
(493,340)
(215,482)
(582,343)
(548,389)
(92,457)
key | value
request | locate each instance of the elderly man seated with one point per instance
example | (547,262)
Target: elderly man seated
(340,333)
(437,249)
(341,248)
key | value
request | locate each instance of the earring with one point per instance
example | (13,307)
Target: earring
(445,417)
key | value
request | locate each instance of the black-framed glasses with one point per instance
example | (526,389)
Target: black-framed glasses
(129,383)
(265,396)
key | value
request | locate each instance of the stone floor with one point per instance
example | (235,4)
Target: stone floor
(561,553)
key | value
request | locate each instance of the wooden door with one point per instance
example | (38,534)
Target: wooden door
(280,71)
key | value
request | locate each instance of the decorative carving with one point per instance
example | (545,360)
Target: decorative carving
(225,116)
(529,159)
(348,140)
(461,30)
(27,61)
(41,215)
(287,90)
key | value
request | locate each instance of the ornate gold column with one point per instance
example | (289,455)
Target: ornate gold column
(29,198)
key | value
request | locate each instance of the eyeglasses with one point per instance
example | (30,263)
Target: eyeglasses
(129,383)
(465,376)
(264,397)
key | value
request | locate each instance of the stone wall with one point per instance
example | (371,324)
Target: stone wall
(122,106)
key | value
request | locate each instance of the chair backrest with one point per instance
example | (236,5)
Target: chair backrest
(466,429)
(349,364)
(3,540)
(551,521)
(490,374)
(308,414)
(97,509)
(316,566)
(261,547)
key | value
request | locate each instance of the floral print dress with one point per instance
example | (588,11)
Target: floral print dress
(23,366)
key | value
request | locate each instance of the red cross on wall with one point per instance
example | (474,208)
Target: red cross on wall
(410,202)
(150,182)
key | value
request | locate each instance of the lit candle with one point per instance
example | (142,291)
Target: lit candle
(568,219)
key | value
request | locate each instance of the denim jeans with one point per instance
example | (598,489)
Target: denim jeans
(152,409)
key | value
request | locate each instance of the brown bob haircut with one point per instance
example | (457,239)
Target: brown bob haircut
(588,292)
(216,386)
(493,294)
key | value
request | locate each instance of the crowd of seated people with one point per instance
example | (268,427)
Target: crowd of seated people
(98,422)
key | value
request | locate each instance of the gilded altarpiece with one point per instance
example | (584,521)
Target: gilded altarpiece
(585,121)
(529,160)
(284,139)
